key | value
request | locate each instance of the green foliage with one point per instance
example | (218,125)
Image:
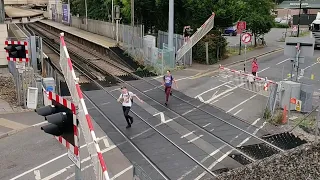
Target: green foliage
(267,114)
(276,119)
(215,42)
(278,25)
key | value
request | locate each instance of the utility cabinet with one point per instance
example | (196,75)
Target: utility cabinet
(287,89)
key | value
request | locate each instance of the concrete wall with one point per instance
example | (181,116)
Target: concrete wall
(296,164)
(3,37)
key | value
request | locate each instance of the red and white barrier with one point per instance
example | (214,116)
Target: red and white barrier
(25,43)
(83,115)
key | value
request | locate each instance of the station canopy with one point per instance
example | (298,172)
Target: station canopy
(315,4)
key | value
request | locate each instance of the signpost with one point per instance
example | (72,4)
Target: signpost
(241,26)
(246,38)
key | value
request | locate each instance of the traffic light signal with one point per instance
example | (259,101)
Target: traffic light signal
(16,50)
(60,119)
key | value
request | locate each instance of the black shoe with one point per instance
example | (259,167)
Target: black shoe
(129,126)
(170,93)
(131,120)
(166,104)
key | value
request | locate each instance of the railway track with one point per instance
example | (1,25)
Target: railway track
(229,142)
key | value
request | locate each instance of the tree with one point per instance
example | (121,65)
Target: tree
(257,14)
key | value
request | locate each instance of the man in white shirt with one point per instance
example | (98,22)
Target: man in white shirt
(126,97)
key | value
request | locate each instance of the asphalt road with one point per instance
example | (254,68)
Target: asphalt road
(32,155)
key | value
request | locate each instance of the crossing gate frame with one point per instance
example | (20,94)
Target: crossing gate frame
(84,118)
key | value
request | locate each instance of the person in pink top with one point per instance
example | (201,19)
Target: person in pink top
(254,66)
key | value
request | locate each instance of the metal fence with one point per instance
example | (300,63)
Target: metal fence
(178,42)
(143,49)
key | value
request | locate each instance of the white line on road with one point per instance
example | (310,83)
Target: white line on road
(206,125)
(121,172)
(237,112)
(283,61)
(263,69)
(38,124)
(187,134)
(212,89)
(225,92)
(310,66)
(229,152)
(228,86)
(195,139)
(201,99)
(37,175)
(215,152)
(55,174)
(242,103)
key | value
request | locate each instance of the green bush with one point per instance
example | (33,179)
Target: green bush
(278,25)
(215,41)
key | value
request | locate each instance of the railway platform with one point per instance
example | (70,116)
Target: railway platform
(91,37)
(14,12)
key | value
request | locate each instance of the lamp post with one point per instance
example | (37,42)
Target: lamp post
(299,18)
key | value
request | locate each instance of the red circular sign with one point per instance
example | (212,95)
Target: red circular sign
(246,38)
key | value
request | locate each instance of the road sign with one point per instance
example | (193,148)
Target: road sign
(298,105)
(293,100)
(294,28)
(246,38)
(241,26)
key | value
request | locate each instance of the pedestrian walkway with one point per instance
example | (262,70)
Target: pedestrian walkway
(14,122)
(91,37)
(5,107)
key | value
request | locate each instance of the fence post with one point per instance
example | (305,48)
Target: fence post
(207,52)
(317,125)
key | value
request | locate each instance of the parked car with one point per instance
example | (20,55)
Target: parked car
(231,31)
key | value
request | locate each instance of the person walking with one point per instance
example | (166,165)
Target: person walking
(126,98)
(254,66)
(167,83)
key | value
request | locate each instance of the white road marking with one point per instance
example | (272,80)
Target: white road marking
(68,167)
(37,175)
(38,124)
(242,103)
(310,66)
(188,77)
(225,92)
(201,99)
(212,130)
(237,112)
(229,152)
(228,86)
(212,89)
(213,95)
(195,139)
(206,125)
(283,61)
(263,69)
(106,142)
(121,172)
(163,119)
(115,89)
(187,134)
(215,152)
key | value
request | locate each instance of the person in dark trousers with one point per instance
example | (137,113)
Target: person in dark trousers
(126,98)
(254,67)
(167,83)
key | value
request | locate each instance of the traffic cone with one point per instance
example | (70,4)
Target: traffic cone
(284,115)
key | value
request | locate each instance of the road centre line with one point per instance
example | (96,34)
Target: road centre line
(217,150)
(187,134)
(242,103)
(211,89)
(283,61)
(263,69)
(229,152)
